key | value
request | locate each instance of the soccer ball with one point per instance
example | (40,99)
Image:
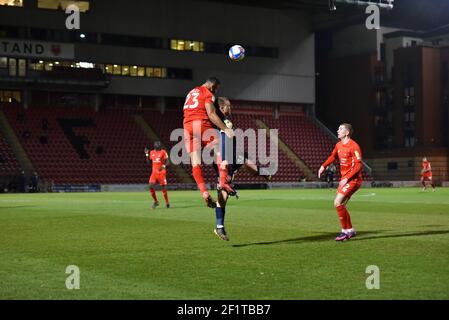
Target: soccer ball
(237,53)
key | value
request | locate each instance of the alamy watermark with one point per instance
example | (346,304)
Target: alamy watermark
(73,21)
(262,147)
(373,20)
(73,280)
(373,280)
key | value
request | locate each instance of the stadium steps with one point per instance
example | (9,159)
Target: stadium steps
(149,132)
(14,142)
(311,176)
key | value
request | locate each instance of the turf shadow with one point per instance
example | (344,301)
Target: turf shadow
(13,207)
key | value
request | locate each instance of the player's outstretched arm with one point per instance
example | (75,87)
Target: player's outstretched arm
(329,160)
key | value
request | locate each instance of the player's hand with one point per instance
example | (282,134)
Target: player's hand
(162,168)
(229,133)
(320,172)
(343,182)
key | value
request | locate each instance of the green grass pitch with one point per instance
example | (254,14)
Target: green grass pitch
(281,246)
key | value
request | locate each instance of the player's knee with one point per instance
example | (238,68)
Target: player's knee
(337,202)
(223,164)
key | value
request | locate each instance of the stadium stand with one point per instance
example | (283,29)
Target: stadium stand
(8,162)
(81,146)
(76,145)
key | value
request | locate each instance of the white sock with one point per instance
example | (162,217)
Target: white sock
(220,226)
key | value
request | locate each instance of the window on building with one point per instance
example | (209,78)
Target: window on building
(10,96)
(150,72)
(62,4)
(141,71)
(133,72)
(117,70)
(13,3)
(157,72)
(409,74)
(186,45)
(37,65)
(48,66)
(22,67)
(410,141)
(12,67)
(125,71)
(3,62)
(444,72)
(409,96)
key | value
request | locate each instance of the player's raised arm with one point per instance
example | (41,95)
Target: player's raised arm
(215,119)
(329,160)
(147,155)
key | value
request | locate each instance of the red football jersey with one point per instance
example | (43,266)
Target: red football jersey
(426,165)
(350,157)
(158,158)
(195,104)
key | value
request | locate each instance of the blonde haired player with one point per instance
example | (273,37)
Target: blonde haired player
(350,156)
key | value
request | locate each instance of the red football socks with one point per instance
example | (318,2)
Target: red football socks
(153,194)
(164,192)
(343,215)
(198,176)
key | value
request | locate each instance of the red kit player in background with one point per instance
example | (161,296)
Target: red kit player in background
(159,159)
(200,123)
(426,174)
(350,156)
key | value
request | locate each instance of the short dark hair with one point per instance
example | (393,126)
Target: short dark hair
(213,80)
(222,100)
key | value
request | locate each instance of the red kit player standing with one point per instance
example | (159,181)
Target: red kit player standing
(350,156)
(159,159)
(200,120)
(426,174)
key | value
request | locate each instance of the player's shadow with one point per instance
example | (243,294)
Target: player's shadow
(407,234)
(362,235)
(326,236)
(184,206)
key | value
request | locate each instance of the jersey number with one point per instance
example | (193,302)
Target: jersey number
(192,100)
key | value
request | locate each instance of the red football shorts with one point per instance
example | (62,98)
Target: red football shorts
(427,177)
(159,177)
(198,134)
(350,188)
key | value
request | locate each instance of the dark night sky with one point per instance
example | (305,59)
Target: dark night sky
(420,14)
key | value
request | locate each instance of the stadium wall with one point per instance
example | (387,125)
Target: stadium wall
(404,168)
